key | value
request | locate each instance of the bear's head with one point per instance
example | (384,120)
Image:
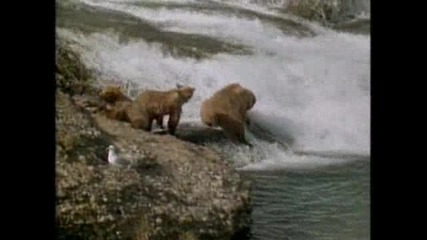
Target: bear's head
(112,94)
(246,94)
(185,92)
(251,98)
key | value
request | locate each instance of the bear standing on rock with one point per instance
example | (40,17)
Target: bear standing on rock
(154,105)
(227,108)
(148,106)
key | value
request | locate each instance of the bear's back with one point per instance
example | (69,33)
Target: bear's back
(112,94)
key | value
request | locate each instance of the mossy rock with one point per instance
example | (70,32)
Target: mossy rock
(71,74)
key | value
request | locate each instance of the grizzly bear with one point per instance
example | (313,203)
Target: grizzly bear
(227,108)
(116,103)
(118,110)
(118,106)
(154,105)
(113,94)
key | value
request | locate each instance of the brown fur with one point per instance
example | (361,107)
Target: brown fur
(138,118)
(154,105)
(119,107)
(118,110)
(148,106)
(113,94)
(228,108)
(117,103)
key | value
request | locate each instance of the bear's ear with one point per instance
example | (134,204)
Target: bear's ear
(179,85)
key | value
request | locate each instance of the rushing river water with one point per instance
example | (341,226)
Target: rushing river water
(312,85)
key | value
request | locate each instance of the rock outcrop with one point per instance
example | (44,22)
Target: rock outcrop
(318,10)
(179,190)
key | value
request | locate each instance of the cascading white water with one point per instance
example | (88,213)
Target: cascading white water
(315,91)
(344,6)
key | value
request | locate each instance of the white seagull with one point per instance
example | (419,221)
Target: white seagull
(115,159)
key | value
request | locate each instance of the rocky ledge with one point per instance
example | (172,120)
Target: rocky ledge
(180,190)
(323,11)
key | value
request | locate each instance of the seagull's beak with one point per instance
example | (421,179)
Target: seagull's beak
(107,149)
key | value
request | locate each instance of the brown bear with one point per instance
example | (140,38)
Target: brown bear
(154,105)
(116,103)
(138,117)
(118,106)
(118,110)
(130,112)
(227,108)
(113,94)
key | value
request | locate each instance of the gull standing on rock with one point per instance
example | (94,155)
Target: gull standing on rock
(115,159)
(136,160)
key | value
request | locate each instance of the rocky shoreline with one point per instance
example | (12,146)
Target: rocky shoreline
(180,190)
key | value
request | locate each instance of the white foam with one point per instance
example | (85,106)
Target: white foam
(314,90)
(283,160)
